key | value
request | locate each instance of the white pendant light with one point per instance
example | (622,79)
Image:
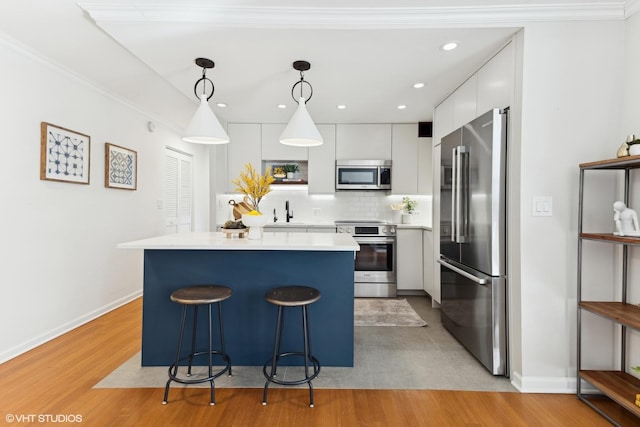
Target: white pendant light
(301,131)
(204,127)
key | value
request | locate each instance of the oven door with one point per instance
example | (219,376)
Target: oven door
(376,260)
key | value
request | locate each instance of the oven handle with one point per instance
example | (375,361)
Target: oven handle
(463,273)
(374,239)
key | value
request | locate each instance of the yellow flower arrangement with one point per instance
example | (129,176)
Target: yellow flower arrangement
(253,185)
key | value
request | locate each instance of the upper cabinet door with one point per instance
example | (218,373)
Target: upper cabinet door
(443,120)
(496,81)
(465,102)
(322,163)
(272,149)
(425,166)
(363,141)
(243,148)
(404,154)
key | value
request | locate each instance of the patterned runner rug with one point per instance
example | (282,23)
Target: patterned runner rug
(385,312)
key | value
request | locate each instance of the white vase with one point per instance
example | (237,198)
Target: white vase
(255,224)
(290,175)
(406,218)
(634,149)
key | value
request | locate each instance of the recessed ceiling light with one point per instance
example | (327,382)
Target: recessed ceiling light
(418,85)
(341,107)
(282,106)
(449,46)
(402,107)
(221,104)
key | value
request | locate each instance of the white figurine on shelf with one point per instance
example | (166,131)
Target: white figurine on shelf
(626,220)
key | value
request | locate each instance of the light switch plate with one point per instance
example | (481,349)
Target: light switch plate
(542,206)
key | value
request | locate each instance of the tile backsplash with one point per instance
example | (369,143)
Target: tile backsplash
(345,205)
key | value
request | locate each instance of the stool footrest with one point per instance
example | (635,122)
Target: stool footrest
(271,378)
(218,373)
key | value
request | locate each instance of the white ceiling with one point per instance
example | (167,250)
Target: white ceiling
(364,54)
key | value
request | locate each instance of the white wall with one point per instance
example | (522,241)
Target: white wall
(59,265)
(571,104)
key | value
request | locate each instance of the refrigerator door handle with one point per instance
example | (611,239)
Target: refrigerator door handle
(463,273)
(460,186)
(454,194)
(463,194)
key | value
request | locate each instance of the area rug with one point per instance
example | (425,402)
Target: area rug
(385,312)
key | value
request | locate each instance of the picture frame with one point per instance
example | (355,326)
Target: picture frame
(65,155)
(120,167)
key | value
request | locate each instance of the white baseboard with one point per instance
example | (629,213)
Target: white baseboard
(557,385)
(54,333)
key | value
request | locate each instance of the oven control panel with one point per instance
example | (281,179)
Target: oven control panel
(367,230)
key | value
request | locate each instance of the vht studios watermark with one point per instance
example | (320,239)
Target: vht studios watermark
(43,418)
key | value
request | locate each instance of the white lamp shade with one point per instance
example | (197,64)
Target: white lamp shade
(301,131)
(204,127)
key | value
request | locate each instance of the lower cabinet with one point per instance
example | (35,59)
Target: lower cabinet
(409,259)
(427,261)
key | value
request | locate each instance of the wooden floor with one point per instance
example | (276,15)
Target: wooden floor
(54,383)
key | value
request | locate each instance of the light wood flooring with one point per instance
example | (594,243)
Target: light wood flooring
(54,382)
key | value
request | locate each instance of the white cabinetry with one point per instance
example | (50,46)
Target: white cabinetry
(404,155)
(427,261)
(322,162)
(495,81)
(435,295)
(425,166)
(244,147)
(409,259)
(443,120)
(272,149)
(363,141)
(465,102)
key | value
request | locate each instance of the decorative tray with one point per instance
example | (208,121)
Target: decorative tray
(231,232)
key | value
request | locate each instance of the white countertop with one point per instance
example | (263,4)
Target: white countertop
(270,241)
(415,226)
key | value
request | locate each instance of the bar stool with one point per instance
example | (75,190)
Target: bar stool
(196,296)
(291,296)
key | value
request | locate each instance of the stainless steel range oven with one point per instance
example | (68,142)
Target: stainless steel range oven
(375,264)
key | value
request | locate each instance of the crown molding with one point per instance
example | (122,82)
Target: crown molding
(356,18)
(631,7)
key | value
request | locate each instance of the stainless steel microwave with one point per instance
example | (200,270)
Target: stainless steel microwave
(363,174)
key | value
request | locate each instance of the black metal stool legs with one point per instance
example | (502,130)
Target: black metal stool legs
(210,352)
(307,351)
(278,355)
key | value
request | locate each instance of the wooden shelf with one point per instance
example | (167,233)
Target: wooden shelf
(619,386)
(624,314)
(609,237)
(627,162)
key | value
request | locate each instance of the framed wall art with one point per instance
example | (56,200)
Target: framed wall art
(120,167)
(65,155)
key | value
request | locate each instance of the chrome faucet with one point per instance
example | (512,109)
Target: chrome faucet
(275,217)
(289,214)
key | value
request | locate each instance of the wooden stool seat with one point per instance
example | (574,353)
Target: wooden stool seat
(293,296)
(200,295)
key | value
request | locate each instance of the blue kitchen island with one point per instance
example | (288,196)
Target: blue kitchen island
(250,268)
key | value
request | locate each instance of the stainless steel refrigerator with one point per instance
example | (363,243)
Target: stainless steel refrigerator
(473,231)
